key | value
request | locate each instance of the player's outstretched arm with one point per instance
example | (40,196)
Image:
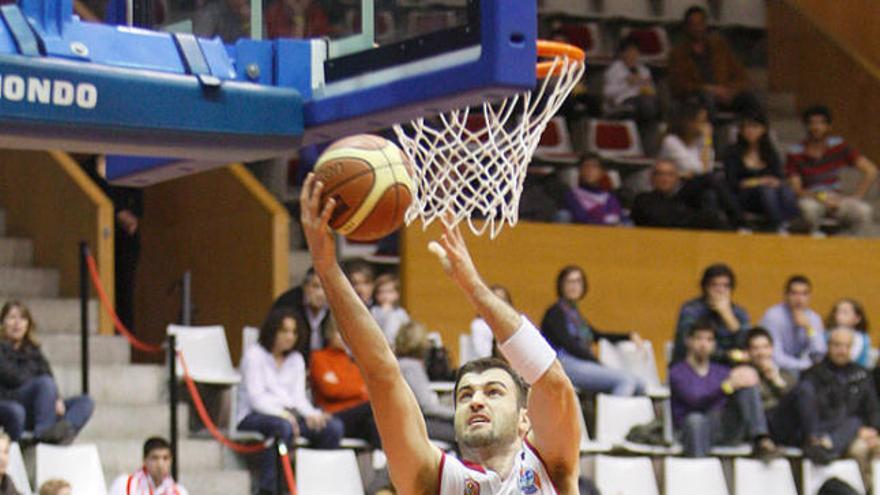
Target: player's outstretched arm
(552,402)
(413,461)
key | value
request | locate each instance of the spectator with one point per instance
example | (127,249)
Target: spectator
(814,168)
(664,207)
(296,19)
(481,335)
(7,487)
(591,201)
(716,305)
(128,208)
(363,278)
(411,345)
(712,404)
(704,65)
(849,313)
(56,486)
(629,91)
(26,381)
(154,478)
(796,329)
(228,19)
(272,396)
(566,329)
(309,303)
(776,384)
(338,388)
(838,408)
(688,144)
(386,308)
(754,173)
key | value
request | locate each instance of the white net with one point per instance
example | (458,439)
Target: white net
(470,165)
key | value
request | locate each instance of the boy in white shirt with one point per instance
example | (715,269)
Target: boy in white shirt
(154,478)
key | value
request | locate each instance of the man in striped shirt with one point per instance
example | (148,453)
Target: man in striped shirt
(814,168)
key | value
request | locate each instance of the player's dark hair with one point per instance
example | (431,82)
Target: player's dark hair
(485,364)
(155,443)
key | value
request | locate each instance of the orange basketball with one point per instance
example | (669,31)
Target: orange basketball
(369,177)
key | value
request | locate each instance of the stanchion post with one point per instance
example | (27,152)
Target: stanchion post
(84,315)
(186,299)
(279,468)
(172,400)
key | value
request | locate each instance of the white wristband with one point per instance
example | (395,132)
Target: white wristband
(528,353)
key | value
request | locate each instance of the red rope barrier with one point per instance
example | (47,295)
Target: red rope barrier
(288,470)
(108,306)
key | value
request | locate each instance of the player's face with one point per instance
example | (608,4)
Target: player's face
(486,411)
(158,464)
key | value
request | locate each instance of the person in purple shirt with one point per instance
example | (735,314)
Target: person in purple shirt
(797,330)
(713,404)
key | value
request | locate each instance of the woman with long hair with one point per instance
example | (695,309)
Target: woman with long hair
(849,313)
(754,172)
(569,332)
(32,400)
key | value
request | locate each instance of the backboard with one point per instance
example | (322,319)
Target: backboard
(193,101)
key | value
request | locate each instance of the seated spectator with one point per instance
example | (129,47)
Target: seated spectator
(704,65)
(729,320)
(591,201)
(296,19)
(712,404)
(363,278)
(838,408)
(754,173)
(386,307)
(154,477)
(272,397)
(797,330)
(338,388)
(688,144)
(309,303)
(572,336)
(849,313)
(664,207)
(410,346)
(481,335)
(228,19)
(776,384)
(814,167)
(27,384)
(7,486)
(629,90)
(56,486)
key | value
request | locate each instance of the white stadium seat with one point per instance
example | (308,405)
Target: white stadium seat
(79,465)
(625,476)
(694,476)
(17,471)
(327,472)
(752,476)
(846,470)
(206,353)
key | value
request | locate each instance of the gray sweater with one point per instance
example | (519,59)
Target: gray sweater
(417,378)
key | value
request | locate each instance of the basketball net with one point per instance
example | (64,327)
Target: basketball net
(470,165)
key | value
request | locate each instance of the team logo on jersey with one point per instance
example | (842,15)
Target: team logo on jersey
(471,487)
(529,481)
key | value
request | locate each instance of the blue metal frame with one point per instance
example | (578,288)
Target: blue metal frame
(160,94)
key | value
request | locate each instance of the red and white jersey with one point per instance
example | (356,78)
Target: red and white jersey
(140,483)
(528,477)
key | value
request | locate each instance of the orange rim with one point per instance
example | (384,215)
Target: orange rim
(552,50)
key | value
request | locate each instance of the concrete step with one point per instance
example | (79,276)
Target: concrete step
(788,132)
(119,384)
(15,251)
(2,221)
(65,350)
(124,455)
(28,282)
(60,315)
(224,482)
(781,106)
(298,264)
(117,421)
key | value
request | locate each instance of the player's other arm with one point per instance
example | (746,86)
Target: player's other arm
(413,461)
(552,402)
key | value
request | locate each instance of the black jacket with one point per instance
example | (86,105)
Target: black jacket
(555,327)
(20,365)
(844,392)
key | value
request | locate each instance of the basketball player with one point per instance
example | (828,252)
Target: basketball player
(513,441)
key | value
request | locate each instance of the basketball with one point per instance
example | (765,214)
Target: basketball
(369,177)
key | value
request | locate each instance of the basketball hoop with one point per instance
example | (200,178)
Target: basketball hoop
(471,166)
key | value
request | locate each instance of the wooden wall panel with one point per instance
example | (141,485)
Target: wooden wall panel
(853,21)
(50,200)
(638,278)
(224,227)
(818,66)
